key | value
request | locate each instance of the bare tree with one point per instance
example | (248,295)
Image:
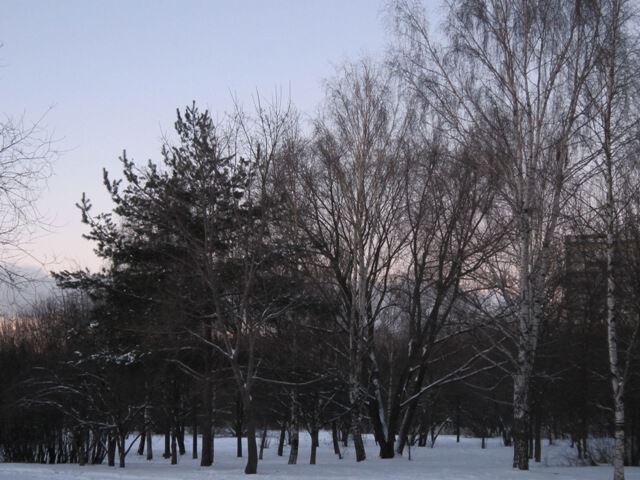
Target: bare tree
(512,72)
(352,189)
(25,163)
(451,235)
(612,133)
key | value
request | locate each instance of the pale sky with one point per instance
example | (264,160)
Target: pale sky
(113,74)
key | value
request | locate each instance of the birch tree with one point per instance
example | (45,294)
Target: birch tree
(611,94)
(513,72)
(352,188)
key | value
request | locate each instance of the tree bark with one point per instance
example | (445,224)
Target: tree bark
(252,446)
(180,437)
(167,444)
(122,452)
(148,432)
(194,446)
(141,443)
(314,446)
(283,429)
(520,421)
(263,440)
(617,384)
(174,446)
(458,422)
(538,437)
(334,437)
(344,431)
(294,433)
(206,459)
(403,434)
(111,450)
(239,426)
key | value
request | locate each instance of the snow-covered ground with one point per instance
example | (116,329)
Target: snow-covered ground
(447,461)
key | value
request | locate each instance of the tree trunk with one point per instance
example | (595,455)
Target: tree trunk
(194,445)
(294,434)
(344,431)
(384,437)
(520,422)
(283,429)
(208,393)
(80,448)
(617,381)
(422,437)
(180,437)
(206,459)
(358,444)
(141,443)
(538,437)
(148,432)
(263,440)
(252,446)
(52,452)
(122,452)
(314,446)
(458,422)
(239,426)
(407,419)
(111,450)
(382,427)
(174,446)
(530,437)
(334,437)
(167,445)
(355,395)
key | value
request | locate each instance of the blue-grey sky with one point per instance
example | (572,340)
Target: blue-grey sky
(113,73)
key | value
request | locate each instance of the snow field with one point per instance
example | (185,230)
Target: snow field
(447,461)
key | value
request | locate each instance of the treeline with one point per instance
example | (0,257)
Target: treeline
(454,246)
